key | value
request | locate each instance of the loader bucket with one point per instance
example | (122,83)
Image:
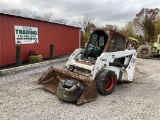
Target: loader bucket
(53,76)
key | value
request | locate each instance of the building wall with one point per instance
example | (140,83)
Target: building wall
(65,38)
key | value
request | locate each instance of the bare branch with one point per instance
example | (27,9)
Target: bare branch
(113,27)
(48,16)
(61,21)
(84,21)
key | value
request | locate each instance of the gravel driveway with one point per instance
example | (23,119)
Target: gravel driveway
(21,98)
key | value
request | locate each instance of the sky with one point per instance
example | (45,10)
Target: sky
(113,12)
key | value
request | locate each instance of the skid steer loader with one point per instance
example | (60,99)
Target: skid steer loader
(93,69)
(134,43)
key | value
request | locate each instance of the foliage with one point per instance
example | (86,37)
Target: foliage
(13,12)
(146,18)
(46,16)
(61,21)
(137,27)
(1,74)
(18,55)
(89,26)
(84,21)
(129,30)
(51,51)
(113,27)
(85,38)
(157,25)
(32,52)
(35,58)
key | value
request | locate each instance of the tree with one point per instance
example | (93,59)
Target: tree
(27,13)
(157,25)
(113,27)
(146,18)
(138,28)
(61,21)
(24,13)
(48,16)
(12,12)
(129,30)
(84,38)
(84,21)
(89,26)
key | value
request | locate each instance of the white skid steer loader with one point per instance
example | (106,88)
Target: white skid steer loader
(97,67)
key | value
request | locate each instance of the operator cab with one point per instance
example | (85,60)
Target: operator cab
(96,44)
(102,40)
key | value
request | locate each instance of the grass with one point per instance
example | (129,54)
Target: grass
(1,74)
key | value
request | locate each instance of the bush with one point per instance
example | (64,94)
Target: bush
(35,58)
(32,52)
(32,59)
(39,58)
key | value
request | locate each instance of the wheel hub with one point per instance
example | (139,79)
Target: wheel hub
(144,51)
(110,83)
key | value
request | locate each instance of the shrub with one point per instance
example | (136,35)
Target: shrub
(35,58)
(32,59)
(32,52)
(39,58)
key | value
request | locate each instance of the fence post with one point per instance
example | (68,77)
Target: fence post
(51,51)
(18,55)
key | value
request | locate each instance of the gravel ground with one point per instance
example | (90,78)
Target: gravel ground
(22,98)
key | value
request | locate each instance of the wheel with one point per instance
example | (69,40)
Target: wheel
(69,91)
(106,82)
(144,51)
(158,53)
(133,44)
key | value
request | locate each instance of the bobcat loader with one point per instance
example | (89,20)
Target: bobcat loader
(96,68)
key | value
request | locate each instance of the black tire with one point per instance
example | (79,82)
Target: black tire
(144,52)
(133,44)
(67,94)
(158,54)
(106,82)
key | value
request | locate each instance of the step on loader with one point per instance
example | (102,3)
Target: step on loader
(94,69)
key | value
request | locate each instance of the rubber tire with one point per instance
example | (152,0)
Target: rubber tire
(68,96)
(133,44)
(144,56)
(102,79)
